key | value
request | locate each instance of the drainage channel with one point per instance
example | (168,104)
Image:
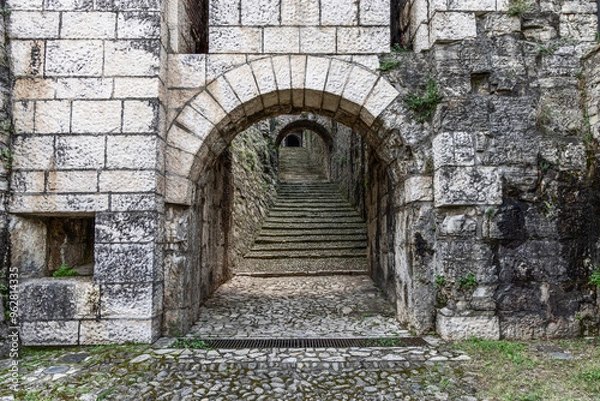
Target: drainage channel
(301,343)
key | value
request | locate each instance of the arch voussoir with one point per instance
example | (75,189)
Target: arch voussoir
(265,79)
(263,88)
(317,69)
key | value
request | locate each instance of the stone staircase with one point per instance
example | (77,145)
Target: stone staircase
(311,229)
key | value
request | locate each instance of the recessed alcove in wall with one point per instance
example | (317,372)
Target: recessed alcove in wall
(40,245)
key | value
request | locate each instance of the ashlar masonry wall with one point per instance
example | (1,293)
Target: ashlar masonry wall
(489,208)
(88,107)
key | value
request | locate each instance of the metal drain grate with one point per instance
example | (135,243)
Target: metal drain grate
(304,343)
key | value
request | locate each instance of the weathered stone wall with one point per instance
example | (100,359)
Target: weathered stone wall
(348,165)
(5,165)
(483,214)
(199,251)
(507,244)
(590,85)
(318,151)
(88,107)
(293,26)
(381,224)
(255,181)
(425,23)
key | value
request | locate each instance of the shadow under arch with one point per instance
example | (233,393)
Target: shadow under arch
(347,93)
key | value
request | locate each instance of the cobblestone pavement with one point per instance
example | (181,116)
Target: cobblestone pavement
(280,307)
(267,307)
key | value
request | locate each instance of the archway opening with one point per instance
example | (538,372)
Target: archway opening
(237,191)
(293,141)
(198,183)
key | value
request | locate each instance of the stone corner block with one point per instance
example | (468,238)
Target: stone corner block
(418,188)
(119,331)
(452,328)
(452,26)
(58,299)
(49,333)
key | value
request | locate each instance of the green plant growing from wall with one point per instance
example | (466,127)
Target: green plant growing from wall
(595,277)
(429,167)
(467,282)
(422,105)
(6,127)
(7,158)
(388,64)
(398,48)
(440,281)
(516,8)
(65,271)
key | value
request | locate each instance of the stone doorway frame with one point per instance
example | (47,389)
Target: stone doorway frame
(267,87)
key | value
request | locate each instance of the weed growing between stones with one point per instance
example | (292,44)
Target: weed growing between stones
(6,157)
(595,277)
(398,48)
(464,283)
(516,8)
(388,64)
(423,105)
(191,342)
(65,271)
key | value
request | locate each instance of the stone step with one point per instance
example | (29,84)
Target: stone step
(307,207)
(302,246)
(301,266)
(309,253)
(294,220)
(311,232)
(332,225)
(312,205)
(308,195)
(314,213)
(284,238)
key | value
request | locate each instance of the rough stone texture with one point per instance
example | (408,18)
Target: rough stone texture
(255,179)
(6,129)
(494,196)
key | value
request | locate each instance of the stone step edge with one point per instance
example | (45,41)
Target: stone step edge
(292,273)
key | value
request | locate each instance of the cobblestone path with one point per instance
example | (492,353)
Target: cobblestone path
(258,307)
(288,307)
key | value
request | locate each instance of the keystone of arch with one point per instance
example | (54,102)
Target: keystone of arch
(347,92)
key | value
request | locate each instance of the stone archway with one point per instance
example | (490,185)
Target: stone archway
(304,124)
(345,92)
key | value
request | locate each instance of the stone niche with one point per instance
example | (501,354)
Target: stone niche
(42,244)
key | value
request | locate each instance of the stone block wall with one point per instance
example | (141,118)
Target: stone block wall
(88,113)
(505,251)
(5,165)
(291,26)
(254,170)
(482,217)
(199,249)
(427,22)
